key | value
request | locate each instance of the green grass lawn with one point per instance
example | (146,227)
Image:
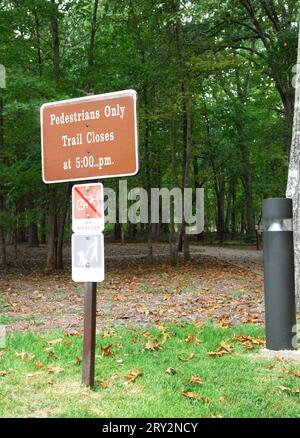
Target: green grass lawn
(42,379)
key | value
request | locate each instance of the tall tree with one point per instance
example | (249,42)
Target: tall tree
(293,185)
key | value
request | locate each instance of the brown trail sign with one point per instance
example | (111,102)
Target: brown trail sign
(90,137)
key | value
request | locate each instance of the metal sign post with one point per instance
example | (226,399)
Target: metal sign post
(89,334)
(88,263)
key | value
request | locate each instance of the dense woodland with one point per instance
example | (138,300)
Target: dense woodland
(216,98)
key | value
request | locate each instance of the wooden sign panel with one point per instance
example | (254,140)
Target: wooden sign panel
(90,138)
(87,208)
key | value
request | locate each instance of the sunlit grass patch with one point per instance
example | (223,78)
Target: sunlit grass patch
(180,370)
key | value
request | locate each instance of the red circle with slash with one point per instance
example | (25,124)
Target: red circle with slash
(88,202)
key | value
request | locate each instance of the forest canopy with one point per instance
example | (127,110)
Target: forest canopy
(216,99)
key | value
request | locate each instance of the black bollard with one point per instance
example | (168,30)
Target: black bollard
(280,305)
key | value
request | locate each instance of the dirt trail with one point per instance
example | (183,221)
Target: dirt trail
(249,259)
(218,283)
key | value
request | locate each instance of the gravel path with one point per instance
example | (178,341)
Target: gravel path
(220,283)
(249,259)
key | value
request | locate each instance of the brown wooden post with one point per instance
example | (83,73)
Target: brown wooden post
(89,334)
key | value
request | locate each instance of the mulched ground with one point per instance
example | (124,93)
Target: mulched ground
(133,293)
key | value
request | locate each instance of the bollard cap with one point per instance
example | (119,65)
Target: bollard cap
(277,208)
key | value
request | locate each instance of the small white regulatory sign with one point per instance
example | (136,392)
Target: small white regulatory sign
(87,258)
(87,209)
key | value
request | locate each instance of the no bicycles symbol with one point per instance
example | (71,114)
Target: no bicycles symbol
(87,201)
(88,214)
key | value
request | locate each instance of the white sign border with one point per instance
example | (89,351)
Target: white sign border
(113,95)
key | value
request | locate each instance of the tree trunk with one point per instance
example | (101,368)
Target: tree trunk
(227,213)
(246,176)
(220,195)
(55,41)
(43,228)
(32,230)
(293,185)
(61,226)
(90,81)
(2,237)
(38,40)
(2,230)
(148,177)
(52,231)
(33,235)
(52,219)
(186,161)
(232,192)
(172,234)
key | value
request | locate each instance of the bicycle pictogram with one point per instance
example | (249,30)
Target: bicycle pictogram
(81,204)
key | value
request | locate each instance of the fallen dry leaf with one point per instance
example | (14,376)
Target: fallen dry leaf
(249,346)
(161,327)
(3,373)
(222,321)
(170,370)
(74,334)
(30,375)
(107,351)
(296,373)
(108,334)
(283,388)
(249,342)
(24,355)
(195,380)
(38,364)
(192,338)
(206,399)
(226,347)
(50,353)
(153,345)
(68,343)
(55,341)
(184,357)
(190,394)
(77,360)
(133,375)
(54,370)
(222,349)
(104,385)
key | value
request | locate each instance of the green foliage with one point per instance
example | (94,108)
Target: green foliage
(155,48)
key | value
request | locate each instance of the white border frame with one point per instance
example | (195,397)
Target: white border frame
(97,275)
(81,221)
(113,95)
